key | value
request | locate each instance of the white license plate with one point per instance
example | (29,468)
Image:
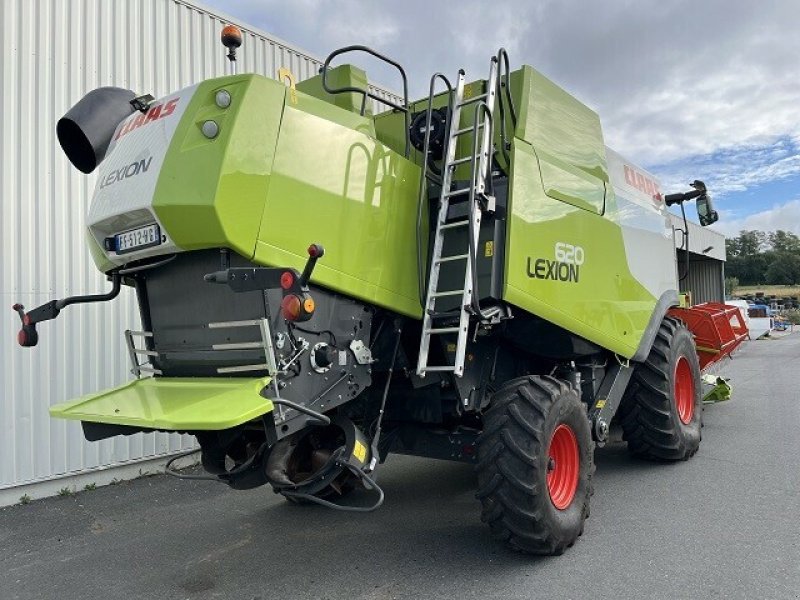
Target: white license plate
(136,239)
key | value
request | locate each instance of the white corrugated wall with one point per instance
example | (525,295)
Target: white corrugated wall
(53,52)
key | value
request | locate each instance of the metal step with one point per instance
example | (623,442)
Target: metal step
(448,293)
(445,259)
(453,224)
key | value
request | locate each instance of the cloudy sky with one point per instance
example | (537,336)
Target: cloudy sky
(706,89)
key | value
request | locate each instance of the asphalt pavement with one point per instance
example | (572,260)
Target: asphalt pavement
(725,524)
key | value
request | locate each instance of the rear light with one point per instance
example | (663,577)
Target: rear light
(287,280)
(291,307)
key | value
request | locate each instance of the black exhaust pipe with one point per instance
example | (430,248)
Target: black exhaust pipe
(86,130)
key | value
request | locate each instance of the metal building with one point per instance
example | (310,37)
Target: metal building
(53,52)
(705,279)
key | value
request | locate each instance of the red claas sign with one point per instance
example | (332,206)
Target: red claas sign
(155,112)
(642,183)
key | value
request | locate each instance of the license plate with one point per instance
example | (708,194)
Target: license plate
(136,239)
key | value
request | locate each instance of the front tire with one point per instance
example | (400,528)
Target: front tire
(535,465)
(662,411)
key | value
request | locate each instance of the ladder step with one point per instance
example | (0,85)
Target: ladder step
(453,224)
(460,192)
(466,130)
(448,314)
(477,98)
(145,352)
(451,258)
(461,161)
(239,346)
(441,330)
(440,369)
(448,293)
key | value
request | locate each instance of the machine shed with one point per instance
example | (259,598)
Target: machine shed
(706,276)
(54,52)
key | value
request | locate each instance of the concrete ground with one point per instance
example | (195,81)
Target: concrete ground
(722,525)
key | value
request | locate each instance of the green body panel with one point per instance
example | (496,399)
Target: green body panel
(174,404)
(340,77)
(287,170)
(210,193)
(333,183)
(98,256)
(606,304)
(556,122)
(558,193)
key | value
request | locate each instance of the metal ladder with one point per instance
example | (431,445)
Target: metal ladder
(478,201)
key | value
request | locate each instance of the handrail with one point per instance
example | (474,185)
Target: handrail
(366,93)
(502,59)
(422,272)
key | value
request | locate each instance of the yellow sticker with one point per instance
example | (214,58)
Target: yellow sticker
(287,76)
(360,451)
(451,347)
(489,251)
(600,404)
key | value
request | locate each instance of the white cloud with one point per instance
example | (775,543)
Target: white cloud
(681,84)
(735,169)
(781,216)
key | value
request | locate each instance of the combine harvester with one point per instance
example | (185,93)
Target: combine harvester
(472,277)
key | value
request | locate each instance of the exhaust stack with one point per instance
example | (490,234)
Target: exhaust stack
(86,130)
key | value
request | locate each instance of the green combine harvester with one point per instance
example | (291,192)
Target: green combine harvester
(473,277)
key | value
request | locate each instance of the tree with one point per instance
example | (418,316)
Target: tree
(731,283)
(784,269)
(784,242)
(751,242)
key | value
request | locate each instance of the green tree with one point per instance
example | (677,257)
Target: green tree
(784,242)
(751,242)
(731,283)
(784,269)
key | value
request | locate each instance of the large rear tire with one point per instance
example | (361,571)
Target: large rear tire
(535,465)
(662,411)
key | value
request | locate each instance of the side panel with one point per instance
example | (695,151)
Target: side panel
(337,186)
(211,192)
(569,265)
(646,228)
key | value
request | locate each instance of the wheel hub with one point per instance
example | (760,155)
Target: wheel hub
(563,466)
(684,390)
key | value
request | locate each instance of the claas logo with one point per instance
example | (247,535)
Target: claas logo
(155,112)
(642,183)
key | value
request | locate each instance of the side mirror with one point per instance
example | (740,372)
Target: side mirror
(705,210)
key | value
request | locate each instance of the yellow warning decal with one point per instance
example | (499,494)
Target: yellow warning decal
(600,403)
(360,451)
(451,347)
(287,76)
(489,251)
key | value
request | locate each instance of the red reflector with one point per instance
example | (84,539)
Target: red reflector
(22,338)
(290,308)
(313,250)
(287,280)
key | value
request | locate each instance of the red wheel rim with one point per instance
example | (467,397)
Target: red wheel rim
(684,390)
(563,466)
